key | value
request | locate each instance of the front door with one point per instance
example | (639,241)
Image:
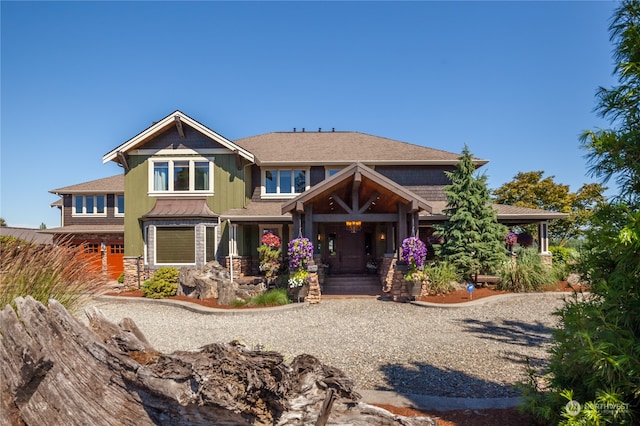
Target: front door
(346,251)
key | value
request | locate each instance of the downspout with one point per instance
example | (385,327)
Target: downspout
(230,252)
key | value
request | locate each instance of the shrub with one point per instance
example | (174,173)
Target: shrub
(524,273)
(60,272)
(442,277)
(163,284)
(271,298)
(563,254)
(121,278)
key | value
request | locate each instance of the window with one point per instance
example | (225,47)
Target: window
(211,243)
(89,205)
(330,171)
(175,245)
(119,205)
(117,248)
(181,175)
(284,181)
(92,248)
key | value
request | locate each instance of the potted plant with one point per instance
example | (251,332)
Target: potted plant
(510,240)
(269,254)
(300,253)
(414,254)
(416,280)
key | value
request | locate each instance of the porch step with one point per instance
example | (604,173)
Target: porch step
(352,285)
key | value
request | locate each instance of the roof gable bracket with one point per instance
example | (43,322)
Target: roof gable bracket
(369,202)
(123,160)
(179,126)
(338,200)
(355,191)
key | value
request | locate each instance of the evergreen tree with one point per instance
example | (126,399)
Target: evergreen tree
(473,238)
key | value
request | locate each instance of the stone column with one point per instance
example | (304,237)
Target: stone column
(385,271)
(315,295)
(399,287)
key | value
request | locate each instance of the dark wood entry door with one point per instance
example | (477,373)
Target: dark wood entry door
(346,251)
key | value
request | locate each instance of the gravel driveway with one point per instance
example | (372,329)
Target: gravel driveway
(476,351)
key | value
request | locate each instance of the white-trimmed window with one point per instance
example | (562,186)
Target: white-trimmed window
(181,176)
(85,205)
(119,204)
(284,182)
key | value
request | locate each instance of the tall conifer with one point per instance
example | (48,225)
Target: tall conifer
(473,238)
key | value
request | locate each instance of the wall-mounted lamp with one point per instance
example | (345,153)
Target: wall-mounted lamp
(383,236)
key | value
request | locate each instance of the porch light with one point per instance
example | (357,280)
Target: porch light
(353,225)
(383,236)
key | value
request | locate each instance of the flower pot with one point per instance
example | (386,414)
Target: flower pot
(299,293)
(415,288)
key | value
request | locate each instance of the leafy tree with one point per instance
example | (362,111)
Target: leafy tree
(615,152)
(595,359)
(530,189)
(2,222)
(473,238)
(43,225)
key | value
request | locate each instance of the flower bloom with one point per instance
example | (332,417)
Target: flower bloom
(414,252)
(271,240)
(511,238)
(300,253)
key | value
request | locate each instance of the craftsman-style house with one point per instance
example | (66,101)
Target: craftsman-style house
(192,196)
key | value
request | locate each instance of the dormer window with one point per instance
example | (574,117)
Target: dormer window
(181,176)
(287,182)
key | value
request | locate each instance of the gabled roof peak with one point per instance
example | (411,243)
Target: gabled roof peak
(175,118)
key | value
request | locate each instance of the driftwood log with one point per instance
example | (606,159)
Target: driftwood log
(55,371)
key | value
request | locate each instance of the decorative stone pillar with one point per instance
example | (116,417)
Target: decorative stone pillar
(135,273)
(315,295)
(385,271)
(399,287)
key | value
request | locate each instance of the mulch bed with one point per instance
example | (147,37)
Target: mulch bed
(458,296)
(462,296)
(489,417)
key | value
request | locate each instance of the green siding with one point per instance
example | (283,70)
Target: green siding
(230,192)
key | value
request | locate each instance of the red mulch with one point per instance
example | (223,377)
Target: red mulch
(209,303)
(491,417)
(461,296)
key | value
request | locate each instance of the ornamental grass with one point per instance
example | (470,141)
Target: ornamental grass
(45,272)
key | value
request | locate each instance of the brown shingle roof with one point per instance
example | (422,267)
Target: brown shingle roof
(341,148)
(258,210)
(505,213)
(27,234)
(86,229)
(110,185)
(180,207)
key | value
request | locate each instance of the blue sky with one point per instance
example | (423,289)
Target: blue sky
(513,80)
